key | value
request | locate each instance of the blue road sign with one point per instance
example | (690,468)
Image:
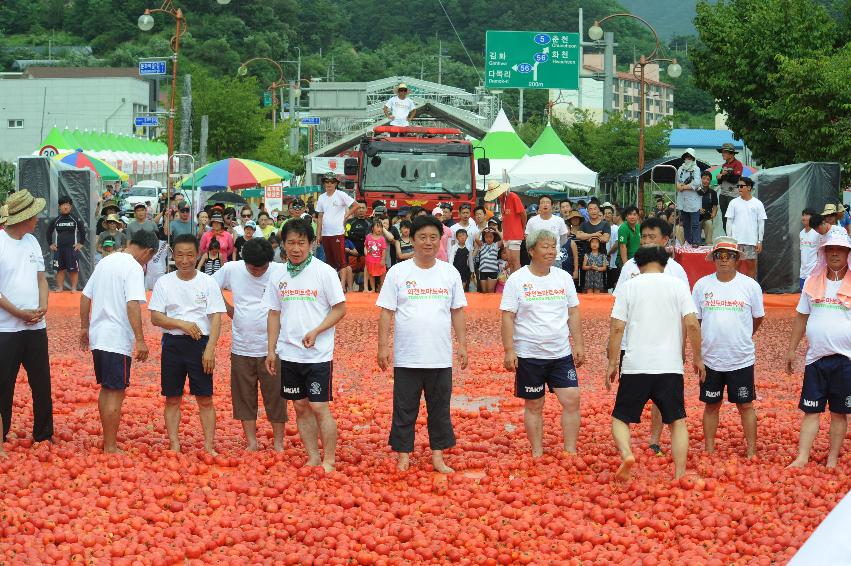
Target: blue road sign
(150,68)
(149,121)
(310,121)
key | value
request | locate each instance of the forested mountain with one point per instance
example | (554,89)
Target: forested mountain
(340,39)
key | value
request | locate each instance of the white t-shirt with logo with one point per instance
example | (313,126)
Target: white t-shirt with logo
(21,262)
(653,306)
(248,329)
(727,311)
(745,216)
(303,302)
(540,305)
(829,324)
(422,300)
(191,301)
(400,109)
(117,279)
(809,251)
(333,209)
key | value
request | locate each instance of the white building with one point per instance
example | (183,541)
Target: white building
(658,95)
(84,98)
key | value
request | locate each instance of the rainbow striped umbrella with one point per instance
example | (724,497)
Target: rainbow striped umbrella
(234,173)
(101,168)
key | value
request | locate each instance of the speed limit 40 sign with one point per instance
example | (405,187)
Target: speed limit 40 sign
(48,151)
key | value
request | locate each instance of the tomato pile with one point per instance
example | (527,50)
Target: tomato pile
(67,502)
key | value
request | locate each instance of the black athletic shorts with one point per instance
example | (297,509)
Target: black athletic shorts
(739,382)
(181,357)
(664,389)
(112,371)
(827,382)
(306,380)
(532,374)
(483,275)
(65,259)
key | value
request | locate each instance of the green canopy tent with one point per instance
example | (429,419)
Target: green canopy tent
(502,146)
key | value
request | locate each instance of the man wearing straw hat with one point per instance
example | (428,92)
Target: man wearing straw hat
(23,304)
(400,109)
(824,314)
(729,306)
(513,219)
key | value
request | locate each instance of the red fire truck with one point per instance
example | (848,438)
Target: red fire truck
(415,166)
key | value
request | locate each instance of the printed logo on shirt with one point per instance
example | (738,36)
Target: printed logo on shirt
(827,303)
(708,295)
(200,297)
(426,293)
(722,305)
(530,294)
(33,258)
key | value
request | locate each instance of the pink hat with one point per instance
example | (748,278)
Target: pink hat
(437,210)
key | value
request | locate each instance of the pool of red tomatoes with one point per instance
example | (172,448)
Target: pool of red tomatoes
(66,502)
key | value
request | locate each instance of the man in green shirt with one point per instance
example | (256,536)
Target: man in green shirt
(629,235)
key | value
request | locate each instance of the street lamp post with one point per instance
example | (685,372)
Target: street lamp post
(146,23)
(243,70)
(674,70)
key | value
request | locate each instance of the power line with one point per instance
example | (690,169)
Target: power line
(460,40)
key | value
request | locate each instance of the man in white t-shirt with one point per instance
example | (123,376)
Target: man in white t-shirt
(305,301)
(23,306)
(400,109)
(655,308)
(824,312)
(247,279)
(746,224)
(545,220)
(466,223)
(540,311)
(654,232)
(111,326)
(809,239)
(425,298)
(729,306)
(334,208)
(188,305)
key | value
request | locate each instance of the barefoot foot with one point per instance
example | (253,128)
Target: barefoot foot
(625,468)
(174,447)
(251,447)
(111,450)
(798,463)
(278,447)
(313,461)
(403,462)
(211,451)
(328,467)
(439,465)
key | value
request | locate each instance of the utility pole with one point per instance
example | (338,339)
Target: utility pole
(202,142)
(608,74)
(520,107)
(186,118)
(440,57)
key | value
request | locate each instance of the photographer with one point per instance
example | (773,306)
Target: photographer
(689,197)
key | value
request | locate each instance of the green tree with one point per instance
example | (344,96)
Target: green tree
(742,46)
(237,122)
(272,149)
(814,97)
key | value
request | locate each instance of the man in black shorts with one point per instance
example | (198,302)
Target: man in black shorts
(729,306)
(111,326)
(67,235)
(305,302)
(824,314)
(653,308)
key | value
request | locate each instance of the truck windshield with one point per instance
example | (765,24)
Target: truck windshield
(428,173)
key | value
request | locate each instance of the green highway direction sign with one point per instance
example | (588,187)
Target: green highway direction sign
(531,59)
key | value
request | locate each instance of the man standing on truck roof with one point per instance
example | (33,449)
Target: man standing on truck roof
(400,109)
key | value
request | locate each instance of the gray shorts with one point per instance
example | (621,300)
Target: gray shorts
(747,251)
